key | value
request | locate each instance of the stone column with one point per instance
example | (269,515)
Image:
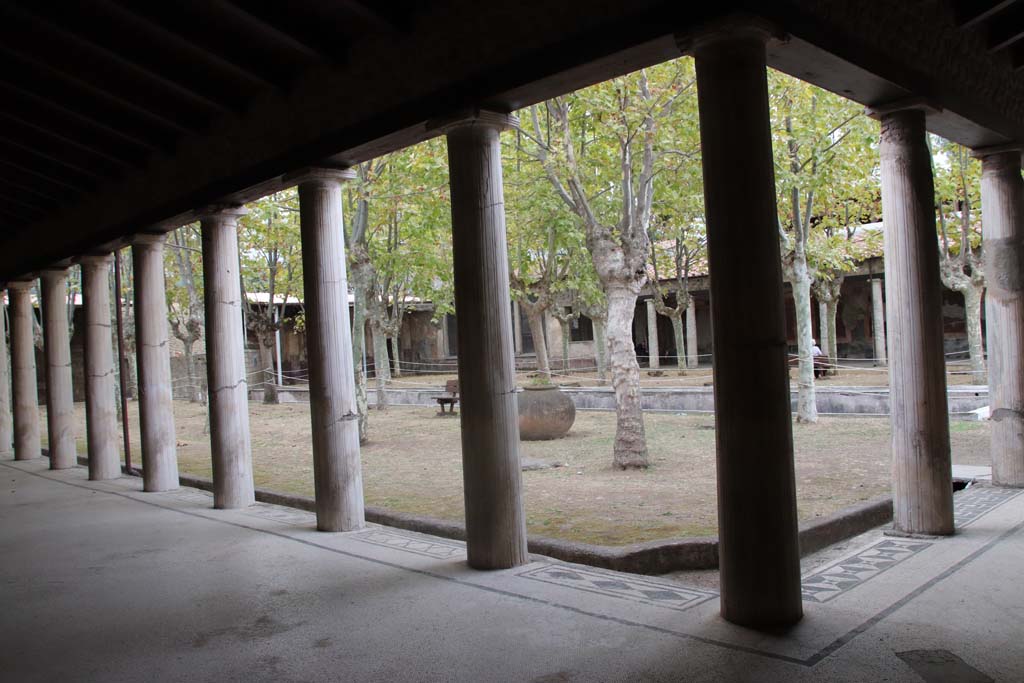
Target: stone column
(692,355)
(1002,199)
(23,372)
(922,472)
(823,327)
(653,353)
(156,405)
(759,556)
(225,362)
(495,523)
(100,399)
(60,398)
(517,328)
(337,471)
(878,321)
(6,423)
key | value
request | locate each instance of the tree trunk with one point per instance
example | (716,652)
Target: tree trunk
(823,325)
(268,379)
(630,441)
(540,346)
(381,366)
(692,355)
(566,337)
(195,392)
(677,330)
(806,406)
(396,348)
(831,308)
(358,351)
(601,350)
(972,310)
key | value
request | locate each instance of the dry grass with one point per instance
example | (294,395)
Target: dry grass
(413,464)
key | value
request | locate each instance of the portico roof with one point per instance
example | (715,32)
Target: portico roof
(124,117)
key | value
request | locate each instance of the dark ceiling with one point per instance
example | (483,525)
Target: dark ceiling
(121,116)
(92,89)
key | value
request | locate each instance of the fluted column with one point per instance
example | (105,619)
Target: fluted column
(60,399)
(6,419)
(878,320)
(759,557)
(225,362)
(495,523)
(100,397)
(156,405)
(337,470)
(23,373)
(922,472)
(692,355)
(653,352)
(1002,204)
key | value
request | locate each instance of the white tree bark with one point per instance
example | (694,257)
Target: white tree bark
(692,354)
(630,437)
(806,405)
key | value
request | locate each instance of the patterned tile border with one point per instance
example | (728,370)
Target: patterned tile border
(847,574)
(827,583)
(281,514)
(976,501)
(420,545)
(627,587)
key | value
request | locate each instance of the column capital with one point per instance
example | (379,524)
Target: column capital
(22,284)
(734,26)
(319,174)
(52,273)
(95,259)
(147,239)
(221,212)
(474,118)
(982,152)
(915,103)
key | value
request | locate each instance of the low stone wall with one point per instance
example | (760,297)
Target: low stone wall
(654,557)
(830,400)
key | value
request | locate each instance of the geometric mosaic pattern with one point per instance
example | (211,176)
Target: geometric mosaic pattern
(853,571)
(420,545)
(972,503)
(280,514)
(668,595)
(826,584)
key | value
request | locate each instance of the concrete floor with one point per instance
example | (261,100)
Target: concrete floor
(99,581)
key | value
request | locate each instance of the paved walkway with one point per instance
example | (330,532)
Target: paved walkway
(99,581)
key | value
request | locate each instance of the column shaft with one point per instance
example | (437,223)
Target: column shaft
(517,327)
(878,320)
(6,419)
(100,399)
(60,399)
(653,352)
(1002,198)
(495,524)
(156,405)
(922,476)
(692,355)
(225,363)
(337,470)
(759,556)
(23,373)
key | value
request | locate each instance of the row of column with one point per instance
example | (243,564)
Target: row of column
(758,544)
(654,351)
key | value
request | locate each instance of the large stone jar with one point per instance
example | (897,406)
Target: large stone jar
(544,413)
